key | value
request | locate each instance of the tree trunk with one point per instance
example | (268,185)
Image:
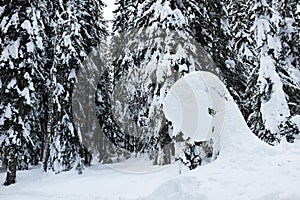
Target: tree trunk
(167,154)
(44,135)
(51,97)
(46,153)
(11,171)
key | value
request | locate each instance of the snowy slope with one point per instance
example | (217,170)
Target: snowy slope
(246,169)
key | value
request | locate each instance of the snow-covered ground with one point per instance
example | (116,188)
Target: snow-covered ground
(98,182)
(246,169)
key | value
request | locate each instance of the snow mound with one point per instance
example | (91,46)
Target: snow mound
(246,168)
(193,105)
(174,189)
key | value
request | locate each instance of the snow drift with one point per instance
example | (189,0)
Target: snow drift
(246,168)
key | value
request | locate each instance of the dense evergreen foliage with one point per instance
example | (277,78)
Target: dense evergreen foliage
(43,45)
(265,47)
(56,67)
(149,55)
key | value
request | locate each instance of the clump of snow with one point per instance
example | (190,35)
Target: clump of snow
(27,26)
(39,42)
(8,111)
(12,83)
(2,9)
(1,121)
(6,24)
(3,23)
(262,27)
(67,40)
(11,51)
(26,94)
(30,47)
(72,74)
(296,120)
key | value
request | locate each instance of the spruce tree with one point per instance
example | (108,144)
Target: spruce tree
(211,28)
(266,31)
(43,46)
(77,30)
(157,49)
(266,97)
(289,64)
(244,51)
(289,58)
(84,115)
(21,72)
(124,15)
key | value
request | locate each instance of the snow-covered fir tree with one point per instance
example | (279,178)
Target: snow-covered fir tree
(43,46)
(124,15)
(244,51)
(84,115)
(78,28)
(21,74)
(267,95)
(289,61)
(289,58)
(156,49)
(211,28)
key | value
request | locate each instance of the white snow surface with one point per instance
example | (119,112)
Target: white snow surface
(182,108)
(108,10)
(246,169)
(188,102)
